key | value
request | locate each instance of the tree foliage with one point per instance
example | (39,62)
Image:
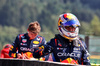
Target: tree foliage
(95,25)
(7,34)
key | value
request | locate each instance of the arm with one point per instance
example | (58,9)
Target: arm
(86,60)
(43,50)
(85,57)
(14,48)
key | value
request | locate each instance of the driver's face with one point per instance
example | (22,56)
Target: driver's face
(70,28)
(32,35)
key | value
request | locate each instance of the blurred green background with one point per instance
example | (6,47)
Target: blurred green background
(15,15)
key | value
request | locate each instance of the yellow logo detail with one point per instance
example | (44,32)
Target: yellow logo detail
(35,42)
(79,45)
(42,47)
(88,58)
(11,48)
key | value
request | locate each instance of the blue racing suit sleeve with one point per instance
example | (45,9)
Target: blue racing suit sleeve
(85,57)
(13,49)
(43,50)
(86,60)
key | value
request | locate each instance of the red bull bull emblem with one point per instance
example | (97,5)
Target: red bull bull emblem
(70,61)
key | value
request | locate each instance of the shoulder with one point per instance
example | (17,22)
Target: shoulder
(52,41)
(41,37)
(57,37)
(4,50)
(20,35)
(83,43)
